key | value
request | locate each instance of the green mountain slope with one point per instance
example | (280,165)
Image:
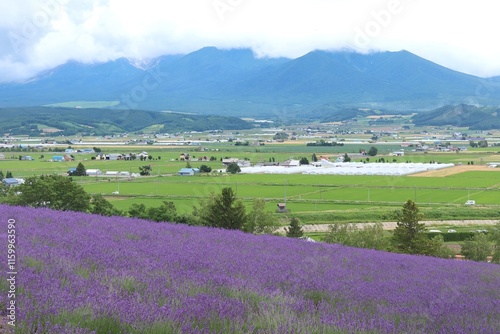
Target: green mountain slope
(476,118)
(69,121)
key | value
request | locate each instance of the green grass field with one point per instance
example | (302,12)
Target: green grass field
(313,198)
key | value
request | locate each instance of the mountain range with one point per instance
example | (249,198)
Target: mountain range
(235,82)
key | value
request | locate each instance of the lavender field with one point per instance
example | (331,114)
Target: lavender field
(80,273)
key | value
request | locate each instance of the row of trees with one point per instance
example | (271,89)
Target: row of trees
(8,175)
(56,192)
(410,237)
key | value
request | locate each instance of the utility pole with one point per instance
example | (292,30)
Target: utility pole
(285,192)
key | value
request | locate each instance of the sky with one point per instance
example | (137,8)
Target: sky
(36,35)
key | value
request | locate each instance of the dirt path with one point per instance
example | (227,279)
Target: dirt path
(392,225)
(455,170)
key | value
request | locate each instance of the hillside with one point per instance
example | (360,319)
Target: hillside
(235,82)
(68,121)
(476,118)
(80,273)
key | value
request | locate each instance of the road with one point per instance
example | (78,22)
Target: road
(392,225)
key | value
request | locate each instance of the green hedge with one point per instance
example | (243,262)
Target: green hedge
(456,236)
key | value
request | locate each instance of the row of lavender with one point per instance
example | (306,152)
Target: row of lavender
(80,273)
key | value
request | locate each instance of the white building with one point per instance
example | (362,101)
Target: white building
(93,172)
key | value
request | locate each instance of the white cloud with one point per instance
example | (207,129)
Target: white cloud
(37,35)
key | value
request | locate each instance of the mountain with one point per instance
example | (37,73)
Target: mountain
(236,82)
(476,118)
(69,121)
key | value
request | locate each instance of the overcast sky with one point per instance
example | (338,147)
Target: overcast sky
(40,34)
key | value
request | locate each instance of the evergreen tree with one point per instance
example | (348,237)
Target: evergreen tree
(294,230)
(304,161)
(409,234)
(9,175)
(346,158)
(205,169)
(314,158)
(145,170)
(1,175)
(233,168)
(372,151)
(224,211)
(80,170)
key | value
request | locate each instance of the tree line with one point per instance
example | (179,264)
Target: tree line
(410,237)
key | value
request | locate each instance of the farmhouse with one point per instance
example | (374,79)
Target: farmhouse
(184,157)
(229,161)
(398,153)
(60,158)
(290,163)
(114,156)
(93,172)
(281,207)
(9,182)
(188,171)
(143,155)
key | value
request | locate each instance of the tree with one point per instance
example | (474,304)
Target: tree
(370,236)
(259,221)
(164,213)
(495,238)
(51,191)
(314,158)
(80,170)
(409,234)
(101,206)
(477,248)
(346,158)
(223,211)
(482,143)
(9,175)
(304,161)
(1,175)
(233,168)
(372,151)
(205,169)
(145,170)
(294,230)
(137,211)
(280,136)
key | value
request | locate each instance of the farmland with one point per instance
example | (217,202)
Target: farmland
(315,199)
(116,274)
